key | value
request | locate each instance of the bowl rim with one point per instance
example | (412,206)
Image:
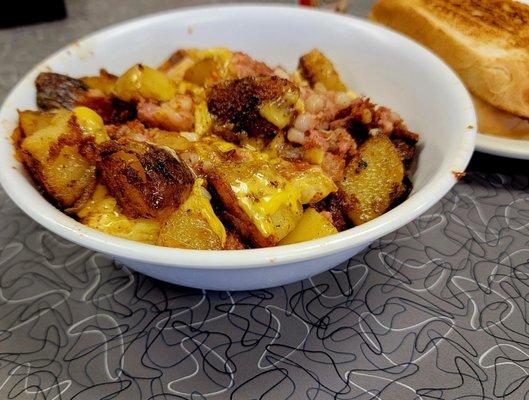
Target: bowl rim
(125,249)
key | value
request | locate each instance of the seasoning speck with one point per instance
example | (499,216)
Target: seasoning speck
(459,174)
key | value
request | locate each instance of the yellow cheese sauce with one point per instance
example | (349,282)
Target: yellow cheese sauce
(272,200)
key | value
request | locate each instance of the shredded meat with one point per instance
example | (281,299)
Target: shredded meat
(245,66)
(362,116)
(174,115)
(132,130)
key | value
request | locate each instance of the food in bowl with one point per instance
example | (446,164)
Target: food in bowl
(215,150)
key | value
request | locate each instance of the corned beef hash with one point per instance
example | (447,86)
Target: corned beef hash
(215,150)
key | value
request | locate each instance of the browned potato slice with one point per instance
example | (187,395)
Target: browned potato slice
(372,181)
(104,82)
(67,177)
(58,157)
(264,199)
(255,105)
(258,201)
(147,181)
(317,68)
(59,91)
(32,121)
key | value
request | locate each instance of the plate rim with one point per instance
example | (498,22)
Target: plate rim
(504,147)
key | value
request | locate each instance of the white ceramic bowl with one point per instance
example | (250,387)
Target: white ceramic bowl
(389,68)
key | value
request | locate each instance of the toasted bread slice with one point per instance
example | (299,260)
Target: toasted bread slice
(485,41)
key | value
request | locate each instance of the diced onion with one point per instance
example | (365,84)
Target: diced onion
(296,136)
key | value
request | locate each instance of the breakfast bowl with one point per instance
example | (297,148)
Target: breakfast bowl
(372,60)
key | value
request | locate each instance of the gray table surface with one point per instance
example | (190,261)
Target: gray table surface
(437,310)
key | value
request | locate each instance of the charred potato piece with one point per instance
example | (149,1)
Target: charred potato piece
(255,105)
(30,122)
(61,159)
(373,181)
(59,91)
(257,204)
(147,181)
(317,68)
(194,224)
(264,200)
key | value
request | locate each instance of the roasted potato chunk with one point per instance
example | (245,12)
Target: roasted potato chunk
(198,66)
(30,122)
(61,159)
(143,82)
(373,181)
(102,212)
(147,181)
(194,225)
(254,105)
(312,225)
(104,82)
(264,200)
(175,115)
(59,91)
(317,68)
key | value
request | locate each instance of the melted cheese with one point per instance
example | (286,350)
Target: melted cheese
(103,213)
(272,200)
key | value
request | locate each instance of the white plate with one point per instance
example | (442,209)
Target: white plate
(500,146)
(512,148)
